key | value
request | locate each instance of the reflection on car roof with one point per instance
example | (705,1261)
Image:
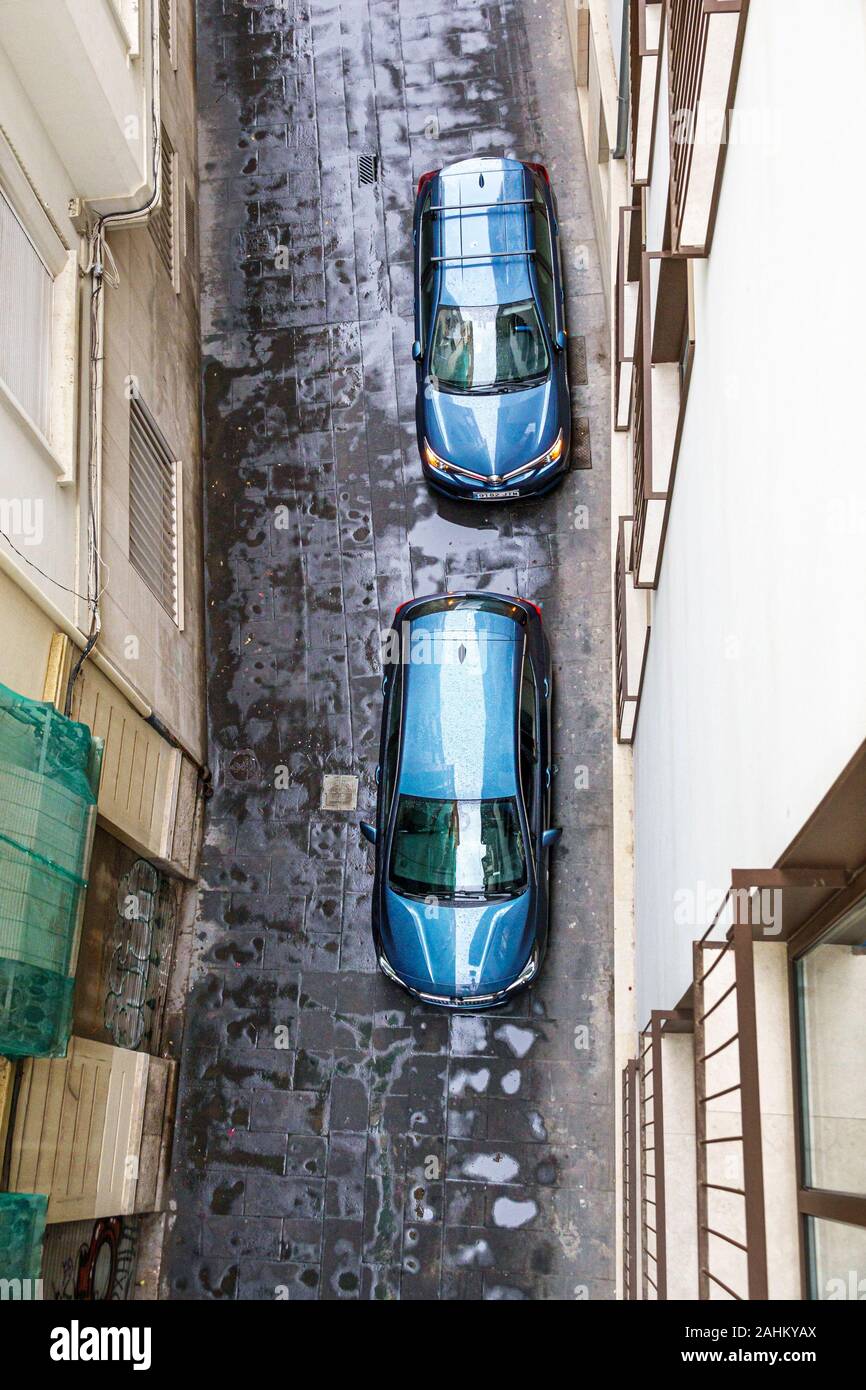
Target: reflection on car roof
(466,233)
(459,731)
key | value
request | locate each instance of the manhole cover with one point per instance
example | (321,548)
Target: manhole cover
(244,765)
(339,792)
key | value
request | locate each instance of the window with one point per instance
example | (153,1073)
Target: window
(528,744)
(155,511)
(543,251)
(25,319)
(457,849)
(426,234)
(426,270)
(495,345)
(831,1036)
(162,219)
(544,261)
(391,751)
(548,295)
(166,28)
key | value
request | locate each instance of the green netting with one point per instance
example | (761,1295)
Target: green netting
(49,778)
(22,1228)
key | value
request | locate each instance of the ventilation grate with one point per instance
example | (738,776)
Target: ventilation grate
(368,169)
(162,221)
(153,507)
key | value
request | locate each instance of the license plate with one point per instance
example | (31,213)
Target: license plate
(494,496)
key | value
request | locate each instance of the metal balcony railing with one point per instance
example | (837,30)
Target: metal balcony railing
(630,1214)
(652,1164)
(641,421)
(631,636)
(731,1226)
(704,42)
(625,310)
(645,25)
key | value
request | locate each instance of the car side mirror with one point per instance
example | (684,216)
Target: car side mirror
(416,351)
(561,339)
(551,837)
(368,831)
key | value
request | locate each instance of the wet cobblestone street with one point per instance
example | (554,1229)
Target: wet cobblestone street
(335,1140)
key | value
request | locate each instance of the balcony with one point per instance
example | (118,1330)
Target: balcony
(646,35)
(632,636)
(666,1115)
(704,41)
(664,347)
(625,309)
(86,67)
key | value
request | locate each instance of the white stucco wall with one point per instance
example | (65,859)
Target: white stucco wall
(755,689)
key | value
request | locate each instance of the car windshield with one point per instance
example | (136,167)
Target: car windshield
(457,849)
(480,349)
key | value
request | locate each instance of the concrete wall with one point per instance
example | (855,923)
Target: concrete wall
(755,690)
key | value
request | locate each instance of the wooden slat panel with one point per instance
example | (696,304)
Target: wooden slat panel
(78,1123)
(140,769)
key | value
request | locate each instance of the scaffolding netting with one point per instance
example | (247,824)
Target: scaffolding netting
(49,779)
(22,1227)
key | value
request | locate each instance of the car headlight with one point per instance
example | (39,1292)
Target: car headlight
(554,453)
(528,970)
(435,460)
(537,465)
(388,969)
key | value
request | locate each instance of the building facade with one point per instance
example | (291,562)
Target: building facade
(102,744)
(739,593)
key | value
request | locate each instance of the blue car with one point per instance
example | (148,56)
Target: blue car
(462,836)
(493,410)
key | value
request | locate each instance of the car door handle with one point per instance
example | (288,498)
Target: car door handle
(378,770)
(546,688)
(547,777)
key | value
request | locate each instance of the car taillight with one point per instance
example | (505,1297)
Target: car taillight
(532,605)
(425,179)
(539,169)
(400,608)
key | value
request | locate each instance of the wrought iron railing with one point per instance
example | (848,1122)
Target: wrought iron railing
(739,1047)
(688,34)
(630,1213)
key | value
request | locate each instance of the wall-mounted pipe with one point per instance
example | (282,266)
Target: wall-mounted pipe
(622,96)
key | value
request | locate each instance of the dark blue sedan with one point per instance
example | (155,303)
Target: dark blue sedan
(460,898)
(492,407)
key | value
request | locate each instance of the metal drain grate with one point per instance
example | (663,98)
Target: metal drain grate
(368,169)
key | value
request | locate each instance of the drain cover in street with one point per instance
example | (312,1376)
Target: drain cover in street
(339,792)
(368,168)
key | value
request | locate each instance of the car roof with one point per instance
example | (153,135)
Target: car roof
(459,722)
(463,233)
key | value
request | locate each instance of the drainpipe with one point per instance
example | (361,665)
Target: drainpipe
(622,97)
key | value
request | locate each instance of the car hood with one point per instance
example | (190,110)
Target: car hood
(471,948)
(492,434)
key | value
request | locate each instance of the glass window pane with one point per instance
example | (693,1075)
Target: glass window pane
(546,290)
(474,348)
(831,980)
(837,1260)
(452,849)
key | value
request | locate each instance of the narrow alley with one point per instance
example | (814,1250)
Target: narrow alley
(336,1140)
